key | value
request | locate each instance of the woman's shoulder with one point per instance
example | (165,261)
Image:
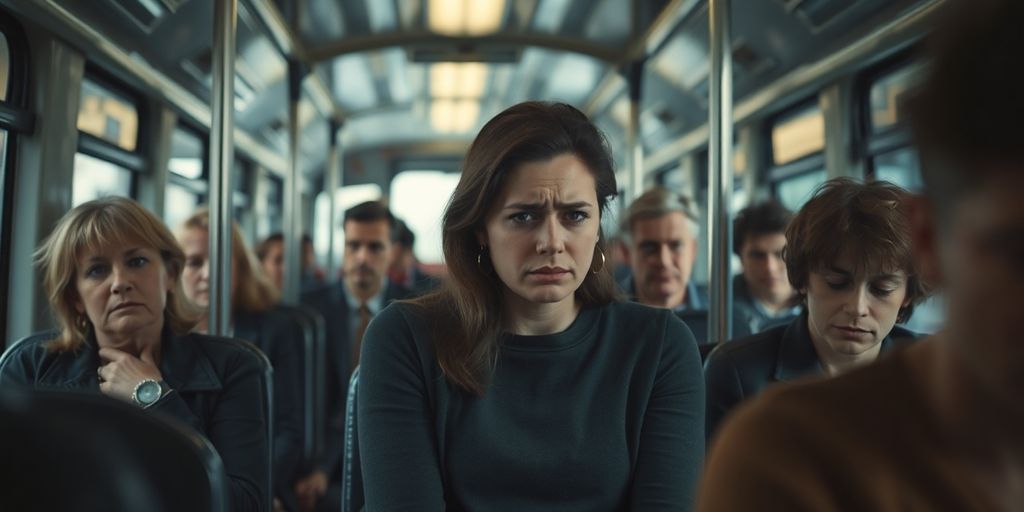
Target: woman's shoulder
(35,353)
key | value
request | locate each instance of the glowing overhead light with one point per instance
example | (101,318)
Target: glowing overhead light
(465,17)
(484,16)
(454,116)
(462,80)
(466,112)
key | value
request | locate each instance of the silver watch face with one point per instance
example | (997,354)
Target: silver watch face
(148,392)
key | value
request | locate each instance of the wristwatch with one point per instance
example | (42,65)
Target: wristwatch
(148,392)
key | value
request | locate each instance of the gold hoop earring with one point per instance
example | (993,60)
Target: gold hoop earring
(480,257)
(598,269)
(83,322)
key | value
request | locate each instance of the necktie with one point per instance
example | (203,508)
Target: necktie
(357,344)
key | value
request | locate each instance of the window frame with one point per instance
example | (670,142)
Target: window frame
(891,138)
(15,118)
(135,161)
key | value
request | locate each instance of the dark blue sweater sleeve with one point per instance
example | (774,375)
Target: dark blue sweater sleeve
(724,390)
(672,439)
(395,420)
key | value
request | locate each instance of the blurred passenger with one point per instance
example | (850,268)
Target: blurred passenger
(762,295)
(936,426)
(112,272)
(848,255)
(660,231)
(404,269)
(348,308)
(312,275)
(271,256)
(523,384)
(254,319)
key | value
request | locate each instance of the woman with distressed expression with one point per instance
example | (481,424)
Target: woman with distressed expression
(525,384)
(112,273)
(256,319)
(848,256)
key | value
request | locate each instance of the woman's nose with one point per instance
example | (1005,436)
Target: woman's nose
(857,301)
(120,283)
(550,239)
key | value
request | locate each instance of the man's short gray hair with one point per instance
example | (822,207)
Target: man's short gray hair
(657,202)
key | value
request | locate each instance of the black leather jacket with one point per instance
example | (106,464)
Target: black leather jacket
(216,390)
(739,369)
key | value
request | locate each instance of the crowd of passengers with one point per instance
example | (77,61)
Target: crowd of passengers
(527,378)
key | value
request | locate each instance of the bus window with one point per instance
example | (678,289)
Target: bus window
(95,178)
(108,115)
(795,190)
(179,204)
(899,167)
(798,135)
(798,159)
(5,66)
(419,198)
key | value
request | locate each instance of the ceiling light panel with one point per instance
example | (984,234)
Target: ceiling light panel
(465,17)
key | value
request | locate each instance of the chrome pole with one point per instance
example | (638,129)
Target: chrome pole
(292,228)
(225,15)
(720,171)
(332,184)
(636,146)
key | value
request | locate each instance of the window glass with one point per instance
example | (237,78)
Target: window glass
(274,191)
(901,168)
(797,135)
(95,178)
(179,204)
(345,198)
(5,66)
(794,191)
(928,317)
(419,198)
(887,95)
(186,154)
(108,115)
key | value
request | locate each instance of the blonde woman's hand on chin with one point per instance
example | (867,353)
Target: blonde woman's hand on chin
(122,372)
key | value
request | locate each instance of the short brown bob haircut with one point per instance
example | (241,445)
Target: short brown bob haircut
(869,218)
(254,293)
(105,222)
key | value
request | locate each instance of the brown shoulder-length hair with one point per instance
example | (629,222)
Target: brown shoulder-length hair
(110,221)
(467,311)
(254,293)
(868,218)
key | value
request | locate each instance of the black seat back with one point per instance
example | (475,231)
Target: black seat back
(313,357)
(697,321)
(352,499)
(32,338)
(267,388)
(87,452)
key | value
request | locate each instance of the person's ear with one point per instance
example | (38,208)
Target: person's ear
(481,237)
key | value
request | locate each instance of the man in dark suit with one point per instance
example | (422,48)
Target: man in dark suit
(347,308)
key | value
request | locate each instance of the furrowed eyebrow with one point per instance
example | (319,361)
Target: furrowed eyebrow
(540,206)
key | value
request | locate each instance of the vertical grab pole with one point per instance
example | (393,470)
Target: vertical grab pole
(635,75)
(225,15)
(720,170)
(292,228)
(333,182)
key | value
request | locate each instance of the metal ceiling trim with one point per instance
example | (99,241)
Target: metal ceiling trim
(887,39)
(647,43)
(292,46)
(357,44)
(98,45)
